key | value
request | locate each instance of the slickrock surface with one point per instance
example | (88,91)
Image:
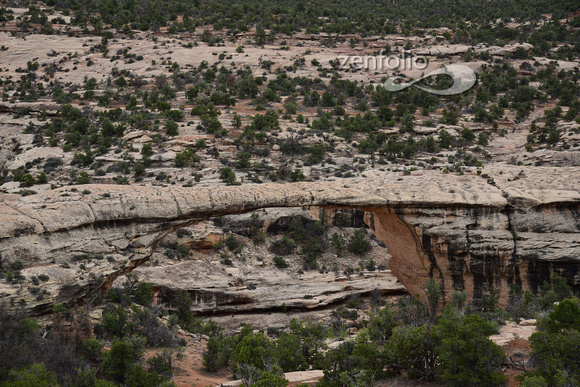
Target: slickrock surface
(216,291)
(462,230)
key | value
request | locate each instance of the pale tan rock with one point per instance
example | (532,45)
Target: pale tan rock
(297,377)
(133,135)
(512,331)
(425,130)
(304,376)
(143,140)
(461,230)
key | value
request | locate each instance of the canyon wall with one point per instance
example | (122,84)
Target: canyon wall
(468,232)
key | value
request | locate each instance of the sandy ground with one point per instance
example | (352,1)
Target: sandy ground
(189,370)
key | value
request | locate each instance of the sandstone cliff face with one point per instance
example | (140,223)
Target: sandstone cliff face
(461,230)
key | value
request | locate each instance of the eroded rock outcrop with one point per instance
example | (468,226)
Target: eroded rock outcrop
(215,292)
(468,232)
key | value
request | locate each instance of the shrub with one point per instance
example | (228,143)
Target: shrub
(16,265)
(253,350)
(139,169)
(446,140)
(338,242)
(137,376)
(483,139)
(450,116)
(468,135)
(274,378)
(534,381)
(115,321)
(291,107)
(352,360)
(280,262)
(161,364)
(42,178)
(316,154)
(118,362)
(233,244)
(144,293)
(381,324)
(255,229)
(358,242)
(182,304)
(283,246)
(219,349)
(185,157)
(92,347)
(183,233)
(34,375)
(171,128)
(84,178)
(228,176)
(297,175)
(468,357)
(413,349)
(182,252)
(551,347)
(526,305)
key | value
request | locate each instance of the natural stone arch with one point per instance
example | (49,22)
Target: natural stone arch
(467,234)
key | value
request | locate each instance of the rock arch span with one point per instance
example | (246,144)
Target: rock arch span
(464,232)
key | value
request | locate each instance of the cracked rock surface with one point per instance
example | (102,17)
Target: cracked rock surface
(473,233)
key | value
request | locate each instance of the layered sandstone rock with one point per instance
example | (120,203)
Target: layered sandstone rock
(244,289)
(468,232)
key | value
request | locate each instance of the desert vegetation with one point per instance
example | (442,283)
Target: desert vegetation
(423,340)
(184,93)
(297,122)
